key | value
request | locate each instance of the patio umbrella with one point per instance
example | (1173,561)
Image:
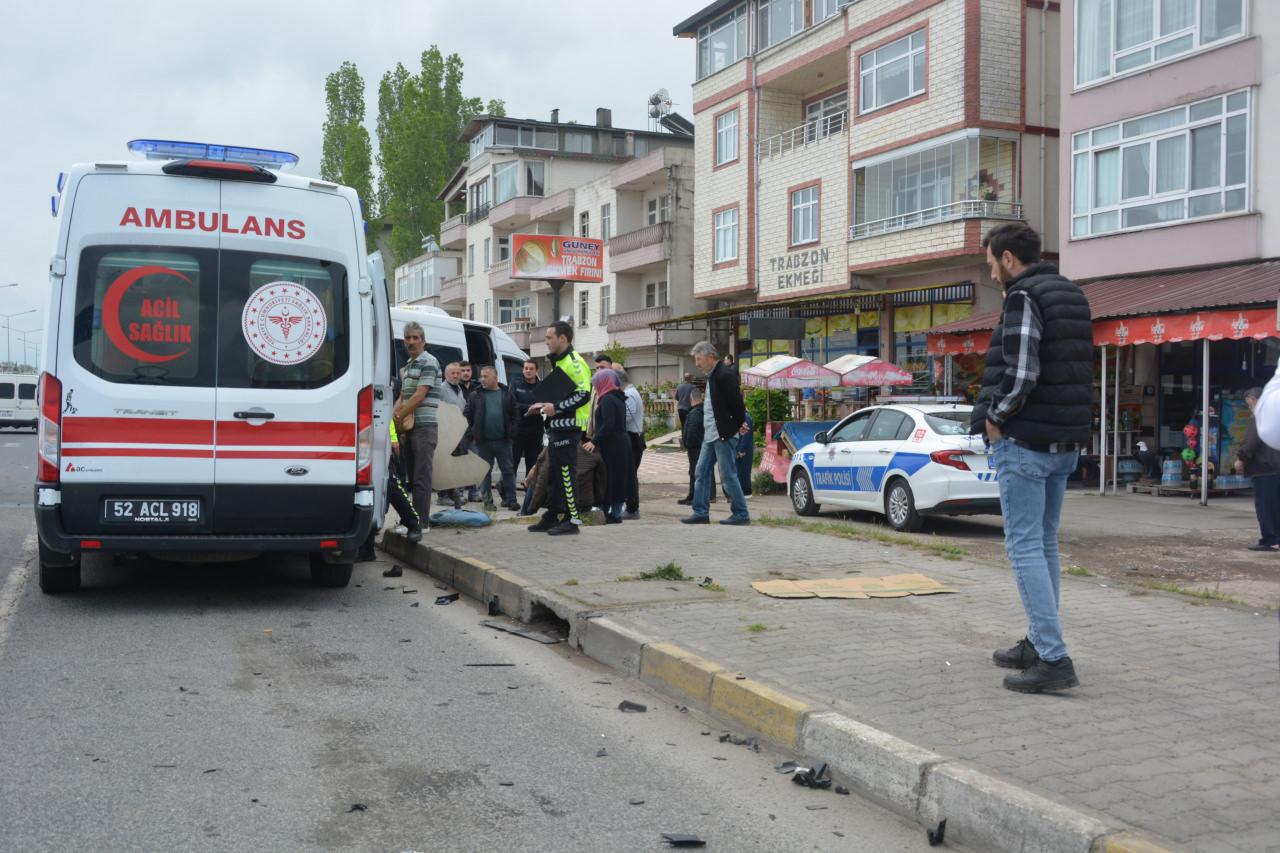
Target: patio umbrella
(787,372)
(862,371)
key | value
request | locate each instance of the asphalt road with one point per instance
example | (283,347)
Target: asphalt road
(17,479)
(233,707)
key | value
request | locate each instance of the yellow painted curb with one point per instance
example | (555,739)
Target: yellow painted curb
(761,709)
(1126,842)
(670,666)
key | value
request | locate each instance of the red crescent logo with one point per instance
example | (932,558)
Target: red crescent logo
(111,313)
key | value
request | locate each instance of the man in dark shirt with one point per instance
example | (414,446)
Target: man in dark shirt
(491,427)
(529,435)
(1261,463)
(684,393)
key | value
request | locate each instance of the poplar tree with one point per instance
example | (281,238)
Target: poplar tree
(346,155)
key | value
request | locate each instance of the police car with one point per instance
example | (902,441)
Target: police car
(904,461)
(216,364)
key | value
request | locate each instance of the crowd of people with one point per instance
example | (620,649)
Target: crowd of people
(576,434)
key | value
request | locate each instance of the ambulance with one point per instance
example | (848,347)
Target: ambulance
(216,365)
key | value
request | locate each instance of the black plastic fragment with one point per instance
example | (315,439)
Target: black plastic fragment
(494,608)
(522,631)
(812,777)
(448,599)
(677,840)
(936,836)
(357,807)
(393,572)
(629,707)
(842,790)
(601,752)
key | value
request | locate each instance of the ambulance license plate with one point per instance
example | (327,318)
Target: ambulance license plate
(151,511)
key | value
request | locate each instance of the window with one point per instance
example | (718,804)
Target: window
(488,310)
(535,174)
(504,248)
(481,141)
(584,224)
(471,259)
(892,73)
(644,146)
(726,235)
(780,19)
(970,176)
(852,429)
(576,142)
(826,116)
(726,138)
(1117,36)
(506,181)
(823,9)
(584,306)
(480,195)
(804,215)
(722,42)
(520,307)
(488,258)
(26,391)
(1162,168)
(606,221)
(471,312)
(655,294)
(620,146)
(606,303)
(888,425)
(658,210)
(6,391)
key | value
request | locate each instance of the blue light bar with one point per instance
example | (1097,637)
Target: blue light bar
(165,149)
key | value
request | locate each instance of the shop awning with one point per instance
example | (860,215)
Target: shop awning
(1229,302)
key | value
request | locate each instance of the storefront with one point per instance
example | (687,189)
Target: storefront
(1168,346)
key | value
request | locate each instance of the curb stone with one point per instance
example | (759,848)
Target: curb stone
(982,812)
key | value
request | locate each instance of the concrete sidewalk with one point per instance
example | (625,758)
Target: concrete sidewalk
(1172,731)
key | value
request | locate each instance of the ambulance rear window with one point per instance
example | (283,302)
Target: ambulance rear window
(283,323)
(141,314)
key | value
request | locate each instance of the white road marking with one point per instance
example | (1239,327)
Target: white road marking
(12,589)
(12,444)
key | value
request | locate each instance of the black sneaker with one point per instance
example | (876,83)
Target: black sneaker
(543,524)
(564,528)
(1044,677)
(1020,656)
(685,502)
(736,520)
(696,519)
(414,534)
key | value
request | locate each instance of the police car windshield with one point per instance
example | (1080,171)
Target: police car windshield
(948,423)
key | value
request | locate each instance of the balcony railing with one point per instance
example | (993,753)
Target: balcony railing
(519,329)
(933,215)
(638,239)
(453,290)
(806,134)
(479,214)
(460,219)
(641,319)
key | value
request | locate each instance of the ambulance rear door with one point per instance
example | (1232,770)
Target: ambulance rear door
(291,361)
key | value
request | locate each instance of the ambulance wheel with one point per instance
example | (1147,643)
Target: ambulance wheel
(802,494)
(900,507)
(324,573)
(59,573)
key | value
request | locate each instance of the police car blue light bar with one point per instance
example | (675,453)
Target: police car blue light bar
(166,149)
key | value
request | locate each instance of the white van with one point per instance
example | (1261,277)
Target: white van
(217,364)
(17,400)
(451,339)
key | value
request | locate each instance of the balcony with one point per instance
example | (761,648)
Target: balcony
(650,171)
(500,275)
(633,320)
(513,213)
(519,330)
(552,206)
(957,210)
(810,133)
(479,214)
(453,232)
(453,292)
(645,246)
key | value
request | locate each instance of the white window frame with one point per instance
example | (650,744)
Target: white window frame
(489,259)
(870,63)
(584,307)
(579,136)
(656,294)
(499,173)
(488,311)
(824,9)
(505,312)
(528,166)
(735,19)
(726,137)
(1088,145)
(504,248)
(804,215)
(471,259)
(764,24)
(606,221)
(725,223)
(827,116)
(658,210)
(584,223)
(521,307)
(606,303)
(1117,55)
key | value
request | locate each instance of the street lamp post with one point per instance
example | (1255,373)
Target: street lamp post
(8,331)
(25,344)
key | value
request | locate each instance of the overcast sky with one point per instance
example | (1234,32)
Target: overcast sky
(79,78)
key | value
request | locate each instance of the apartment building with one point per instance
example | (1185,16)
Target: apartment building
(850,155)
(631,188)
(421,281)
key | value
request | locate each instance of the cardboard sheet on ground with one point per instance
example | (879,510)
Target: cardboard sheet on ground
(449,471)
(890,586)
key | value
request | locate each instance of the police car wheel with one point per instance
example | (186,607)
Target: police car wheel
(324,573)
(56,575)
(900,507)
(802,494)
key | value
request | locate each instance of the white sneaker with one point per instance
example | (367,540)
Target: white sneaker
(400,530)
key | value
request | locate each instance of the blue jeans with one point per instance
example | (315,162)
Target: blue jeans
(1266,502)
(1032,488)
(499,449)
(722,453)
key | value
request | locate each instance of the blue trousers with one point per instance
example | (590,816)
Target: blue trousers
(722,453)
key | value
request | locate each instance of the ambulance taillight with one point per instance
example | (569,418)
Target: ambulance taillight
(49,435)
(364,436)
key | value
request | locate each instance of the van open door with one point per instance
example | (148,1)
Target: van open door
(383,371)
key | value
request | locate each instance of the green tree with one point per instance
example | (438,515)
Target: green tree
(765,405)
(347,156)
(420,117)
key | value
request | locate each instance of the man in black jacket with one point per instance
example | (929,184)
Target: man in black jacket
(1261,463)
(691,435)
(724,418)
(529,435)
(491,427)
(1035,410)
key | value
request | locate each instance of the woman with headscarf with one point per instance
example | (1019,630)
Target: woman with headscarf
(609,437)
